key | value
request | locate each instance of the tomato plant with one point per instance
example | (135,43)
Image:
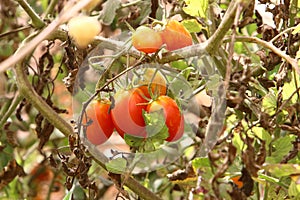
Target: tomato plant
(152,83)
(176,36)
(146,40)
(127,112)
(173,118)
(102,126)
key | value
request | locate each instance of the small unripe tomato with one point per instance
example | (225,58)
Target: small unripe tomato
(83,29)
(146,40)
(176,36)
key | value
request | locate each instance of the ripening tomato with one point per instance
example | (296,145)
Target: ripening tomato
(83,29)
(153,81)
(102,125)
(174,118)
(127,112)
(146,40)
(176,36)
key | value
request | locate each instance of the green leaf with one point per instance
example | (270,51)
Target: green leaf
(289,88)
(269,102)
(238,143)
(262,134)
(196,8)
(192,25)
(68,196)
(5,156)
(280,170)
(294,190)
(155,125)
(282,147)
(117,166)
(109,11)
(133,141)
(79,193)
(179,64)
(200,162)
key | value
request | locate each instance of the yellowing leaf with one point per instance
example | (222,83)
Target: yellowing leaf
(196,8)
(289,88)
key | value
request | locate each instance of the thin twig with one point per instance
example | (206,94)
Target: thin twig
(14,31)
(37,22)
(268,45)
(11,109)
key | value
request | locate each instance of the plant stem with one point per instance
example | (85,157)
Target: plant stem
(139,189)
(268,45)
(37,22)
(29,93)
(10,110)
(50,7)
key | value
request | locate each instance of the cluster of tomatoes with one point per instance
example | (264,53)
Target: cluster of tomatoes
(127,113)
(174,36)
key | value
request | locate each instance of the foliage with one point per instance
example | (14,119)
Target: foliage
(238,87)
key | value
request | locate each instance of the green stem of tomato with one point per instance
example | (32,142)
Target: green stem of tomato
(37,22)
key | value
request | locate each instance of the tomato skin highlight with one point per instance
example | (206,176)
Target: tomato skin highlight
(176,36)
(102,125)
(146,40)
(127,113)
(174,118)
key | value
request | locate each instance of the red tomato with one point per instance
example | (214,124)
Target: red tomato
(174,118)
(146,40)
(127,113)
(176,36)
(102,126)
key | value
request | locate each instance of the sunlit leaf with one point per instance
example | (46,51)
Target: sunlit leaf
(262,134)
(196,8)
(201,162)
(269,102)
(280,170)
(281,148)
(238,143)
(294,190)
(289,88)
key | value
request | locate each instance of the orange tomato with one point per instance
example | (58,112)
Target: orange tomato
(102,126)
(176,36)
